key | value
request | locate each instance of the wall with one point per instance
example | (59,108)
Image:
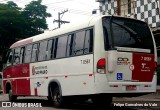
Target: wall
(145,10)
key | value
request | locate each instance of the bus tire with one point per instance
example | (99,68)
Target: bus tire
(102,100)
(12,97)
(57,98)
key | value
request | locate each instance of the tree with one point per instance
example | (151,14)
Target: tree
(17,23)
(11,24)
(35,15)
(12,5)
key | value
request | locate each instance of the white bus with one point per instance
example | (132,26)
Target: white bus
(104,57)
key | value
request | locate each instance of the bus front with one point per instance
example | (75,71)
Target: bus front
(130,56)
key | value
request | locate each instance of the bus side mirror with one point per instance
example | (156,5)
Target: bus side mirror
(112,60)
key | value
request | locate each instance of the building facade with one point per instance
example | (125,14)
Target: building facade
(145,10)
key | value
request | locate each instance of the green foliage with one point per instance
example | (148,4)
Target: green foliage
(11,23)
(35,15)
(17,23)
(13,5)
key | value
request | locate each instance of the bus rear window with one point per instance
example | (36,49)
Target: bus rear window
(127,33)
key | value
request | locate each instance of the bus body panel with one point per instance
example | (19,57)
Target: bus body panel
(69,73)
(8,79)
(133,67)
(122,71)
(104,86)
(143,70)
(19,78)
(132,71)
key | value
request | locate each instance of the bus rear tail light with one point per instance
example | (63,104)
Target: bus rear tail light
(101,65)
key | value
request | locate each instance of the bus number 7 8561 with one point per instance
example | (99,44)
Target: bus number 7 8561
(86,61)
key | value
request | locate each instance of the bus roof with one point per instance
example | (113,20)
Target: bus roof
(65,29)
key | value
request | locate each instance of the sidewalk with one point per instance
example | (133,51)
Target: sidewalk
(158,88)
(150,97)
(145,102)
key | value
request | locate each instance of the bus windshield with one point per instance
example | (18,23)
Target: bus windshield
(128,33)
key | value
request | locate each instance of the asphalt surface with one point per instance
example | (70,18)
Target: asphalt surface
(146,102)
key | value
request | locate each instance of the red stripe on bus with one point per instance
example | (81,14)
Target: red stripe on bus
(35,91)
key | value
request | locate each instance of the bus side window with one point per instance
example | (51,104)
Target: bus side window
(61,47)
(10,57)
(16,56)
(22,55)
(79,43)
(91,41)
(88,45)
(54,51)
(49,52)
(34,52)
(69,45)
(42,51)
(28,51)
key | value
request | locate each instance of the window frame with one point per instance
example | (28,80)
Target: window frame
(23,54)
(85,29)
(30,53)
(7,64)
(53,47)
(14,59)
(35,54)
(60,39)
(39,51)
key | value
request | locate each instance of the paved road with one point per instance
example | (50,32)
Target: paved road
(145,102)
(148,102)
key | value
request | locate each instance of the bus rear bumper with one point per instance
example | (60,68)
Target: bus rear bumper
(129,87)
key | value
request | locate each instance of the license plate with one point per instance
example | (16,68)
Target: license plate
(131,87)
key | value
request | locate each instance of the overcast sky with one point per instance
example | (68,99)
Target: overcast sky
(78,10)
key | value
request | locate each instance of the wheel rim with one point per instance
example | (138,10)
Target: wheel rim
(57,97)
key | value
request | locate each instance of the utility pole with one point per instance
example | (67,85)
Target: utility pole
(60,17)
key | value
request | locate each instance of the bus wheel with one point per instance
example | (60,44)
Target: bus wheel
(11,96)
(102,100)
(57,98)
